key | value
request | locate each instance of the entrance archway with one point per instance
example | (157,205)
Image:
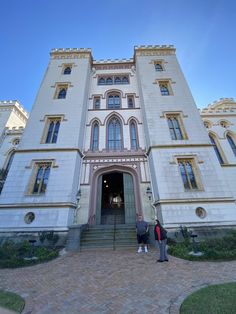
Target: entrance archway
(115,199)
(112,199)
(115,196)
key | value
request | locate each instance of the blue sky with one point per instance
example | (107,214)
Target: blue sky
(203,31)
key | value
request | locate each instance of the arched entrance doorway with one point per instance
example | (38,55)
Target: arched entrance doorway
(115,198)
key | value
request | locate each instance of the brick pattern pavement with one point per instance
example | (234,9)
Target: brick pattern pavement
(117,282)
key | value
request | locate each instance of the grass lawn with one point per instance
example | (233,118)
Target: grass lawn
(11,301)
(217,299)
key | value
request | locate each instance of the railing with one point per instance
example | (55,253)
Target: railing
(114,232)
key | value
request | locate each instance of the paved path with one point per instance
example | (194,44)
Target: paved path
(116,282)
(5,311)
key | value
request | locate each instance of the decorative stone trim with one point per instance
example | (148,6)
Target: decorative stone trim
(194,200)
(38,205)
(52,116)
(25,151)
(41,161)
(176,146)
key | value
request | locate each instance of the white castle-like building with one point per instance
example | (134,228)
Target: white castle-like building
(117,138)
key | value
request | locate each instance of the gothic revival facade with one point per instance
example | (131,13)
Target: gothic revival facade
(109,139)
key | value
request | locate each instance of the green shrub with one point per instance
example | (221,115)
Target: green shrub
(13,254)
(213,249)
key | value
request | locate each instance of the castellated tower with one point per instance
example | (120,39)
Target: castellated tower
(44,177)
(110,139)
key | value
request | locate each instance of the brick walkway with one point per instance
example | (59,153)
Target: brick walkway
(112,282)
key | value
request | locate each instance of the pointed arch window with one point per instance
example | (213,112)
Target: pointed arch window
(133,135)
(101,81)
(216,149)
(130,102)
(114,134)
(95,137)
(231,143)
(67,70)
(62,93)
(164,89)
(109,81)
(117,80)
(96,103)
(114,101)
(158,67)
(53,130)
(186,167)
(10,159)
(174,127)
(125,80)
(41,179)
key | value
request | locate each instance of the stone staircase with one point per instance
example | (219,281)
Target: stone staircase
(104,236)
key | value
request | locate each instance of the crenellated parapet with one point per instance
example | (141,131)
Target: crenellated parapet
(71,53)
(14,105)
(221,106)
(154,50)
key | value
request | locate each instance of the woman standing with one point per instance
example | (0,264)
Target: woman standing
(161,238)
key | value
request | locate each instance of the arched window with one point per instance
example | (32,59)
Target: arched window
(213,142)
(41,180)
(101,81)
(164,90)
(158,67)
(125,80)
(114,134)
(174,127)
(207,124)
(53,130)
(67,70)
(114,101)
(95,136)
(117,80)
(130,102)
(187,174)
(62,93)
(231,143)
(10,159)
(109,81)
(133,135)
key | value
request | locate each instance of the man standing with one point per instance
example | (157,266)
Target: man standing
(142,233)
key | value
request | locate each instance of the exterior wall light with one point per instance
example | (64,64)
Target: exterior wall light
(149,193)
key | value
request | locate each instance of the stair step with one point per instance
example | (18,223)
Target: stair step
(102,236)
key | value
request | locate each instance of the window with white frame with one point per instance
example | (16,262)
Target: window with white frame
(133,135)
(130,100)
(114,134)
(113,79)
(95,136)
(113,100)
(96,102)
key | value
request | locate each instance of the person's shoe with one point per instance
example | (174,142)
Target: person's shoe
(145,250)
(139,250)
(160,261)
(166,260)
